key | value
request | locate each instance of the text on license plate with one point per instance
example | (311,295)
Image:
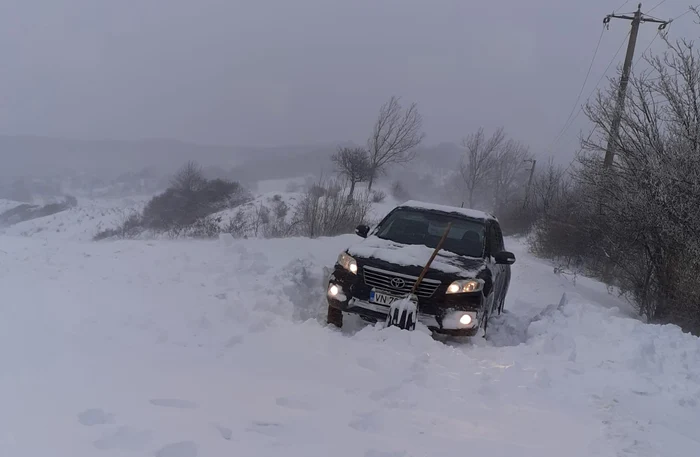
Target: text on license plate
(381,298)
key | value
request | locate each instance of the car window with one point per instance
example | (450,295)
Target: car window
(499,237)
(493,239)
(407,226)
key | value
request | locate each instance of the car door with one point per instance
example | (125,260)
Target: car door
(495,245)
(505,269)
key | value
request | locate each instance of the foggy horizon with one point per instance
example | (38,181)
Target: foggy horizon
(271,74)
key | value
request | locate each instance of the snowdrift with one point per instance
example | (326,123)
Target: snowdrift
(198,348)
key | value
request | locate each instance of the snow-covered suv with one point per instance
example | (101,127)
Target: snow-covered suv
(467,281)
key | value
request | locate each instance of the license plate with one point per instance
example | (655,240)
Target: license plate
(382,298)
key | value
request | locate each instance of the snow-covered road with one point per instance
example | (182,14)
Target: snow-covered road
(194,348)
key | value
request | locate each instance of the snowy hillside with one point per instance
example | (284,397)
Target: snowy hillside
(205,348)
(80,223)
(7,204)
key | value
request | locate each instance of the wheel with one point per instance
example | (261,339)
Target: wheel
(485,322)
(335,317)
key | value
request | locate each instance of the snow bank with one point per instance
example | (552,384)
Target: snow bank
(196,348)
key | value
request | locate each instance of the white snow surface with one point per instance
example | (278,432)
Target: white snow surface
(468,212)
(215,348)
(251,209)
(82,222)
(409,255)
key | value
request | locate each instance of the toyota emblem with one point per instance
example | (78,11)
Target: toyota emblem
(398,283)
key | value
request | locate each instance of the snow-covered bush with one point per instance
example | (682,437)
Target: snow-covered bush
(264,218)
(180,207)
(378,196)
(634,224)
(399,192)
(330,212)
(130,227)
(184,208)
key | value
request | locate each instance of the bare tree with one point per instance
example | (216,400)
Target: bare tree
(479,159)
(353,164)
(189,178)
(548,188)
(396,134)
(635,224)
(329,214)
(507,170)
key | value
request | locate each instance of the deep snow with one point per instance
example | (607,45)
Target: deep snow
(211,348)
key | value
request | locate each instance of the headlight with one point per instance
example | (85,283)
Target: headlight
(465,285)
(347,262)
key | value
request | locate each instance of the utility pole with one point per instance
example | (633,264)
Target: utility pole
(637,19)
(529,181)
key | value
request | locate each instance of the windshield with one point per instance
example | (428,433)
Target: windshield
(407,226)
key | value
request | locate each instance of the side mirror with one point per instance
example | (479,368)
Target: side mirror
(504,258)
(362,230)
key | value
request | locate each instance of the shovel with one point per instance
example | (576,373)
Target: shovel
(403,313)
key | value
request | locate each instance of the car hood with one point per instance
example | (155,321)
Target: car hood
(409,255)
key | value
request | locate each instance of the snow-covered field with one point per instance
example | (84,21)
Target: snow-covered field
(80,223)
(205,348)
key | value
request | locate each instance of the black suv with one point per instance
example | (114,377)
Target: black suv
(466,282)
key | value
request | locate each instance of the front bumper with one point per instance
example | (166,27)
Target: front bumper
(440,312)
(447,323)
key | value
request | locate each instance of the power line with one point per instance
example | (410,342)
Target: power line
(569,124)
(657,5)
(620,7)
(690,10)
(583,86)
(641,56)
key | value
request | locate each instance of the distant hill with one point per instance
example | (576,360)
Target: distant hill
(34,167)
(37,156)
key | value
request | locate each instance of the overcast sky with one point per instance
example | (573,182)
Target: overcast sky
(273,72)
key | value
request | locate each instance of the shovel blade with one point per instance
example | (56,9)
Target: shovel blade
(403,313)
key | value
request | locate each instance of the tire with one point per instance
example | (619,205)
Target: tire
(501,304)
(335,317)
(485,322)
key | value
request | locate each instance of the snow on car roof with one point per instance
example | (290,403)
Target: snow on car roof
(468,212)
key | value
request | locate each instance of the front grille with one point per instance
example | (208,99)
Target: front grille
(397,283)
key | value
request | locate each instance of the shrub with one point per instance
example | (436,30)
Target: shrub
(206,227)
(189,199)
(184,208)
(330,214)
(130,227)
(378,196)
(399,192)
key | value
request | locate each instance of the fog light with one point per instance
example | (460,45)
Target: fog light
(466,319)
(333,290)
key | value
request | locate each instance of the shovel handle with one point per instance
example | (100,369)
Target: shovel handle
(432,257)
